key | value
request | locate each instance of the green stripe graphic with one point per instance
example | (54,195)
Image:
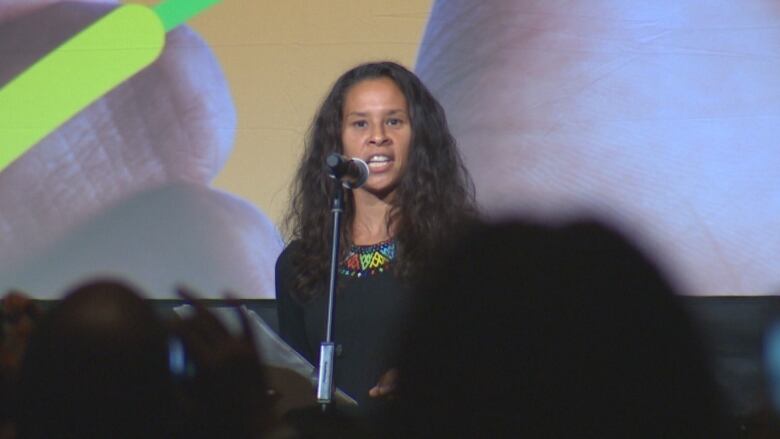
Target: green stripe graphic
(83,69)
(175,12)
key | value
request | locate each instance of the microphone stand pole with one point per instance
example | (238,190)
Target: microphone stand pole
(327,348)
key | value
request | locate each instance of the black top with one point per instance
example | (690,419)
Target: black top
(371,304)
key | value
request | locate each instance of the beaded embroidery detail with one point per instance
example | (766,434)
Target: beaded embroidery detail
(367,260)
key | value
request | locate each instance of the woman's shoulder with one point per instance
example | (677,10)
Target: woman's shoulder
(284,261)
(292,247)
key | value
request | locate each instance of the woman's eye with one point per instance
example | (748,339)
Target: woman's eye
(360,124)
(394,122)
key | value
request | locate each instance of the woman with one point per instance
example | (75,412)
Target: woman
(417,195)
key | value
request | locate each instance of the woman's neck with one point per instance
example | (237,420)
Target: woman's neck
(370,222)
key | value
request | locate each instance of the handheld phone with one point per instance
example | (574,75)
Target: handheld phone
(180,363)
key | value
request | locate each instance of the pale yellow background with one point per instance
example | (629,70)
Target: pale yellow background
(280,58)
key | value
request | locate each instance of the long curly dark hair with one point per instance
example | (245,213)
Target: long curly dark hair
(433,200)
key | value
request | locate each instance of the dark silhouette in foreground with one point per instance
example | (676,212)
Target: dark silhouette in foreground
(101,364)
(535,331)
(96,366)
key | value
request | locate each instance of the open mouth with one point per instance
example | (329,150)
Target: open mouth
(379,162)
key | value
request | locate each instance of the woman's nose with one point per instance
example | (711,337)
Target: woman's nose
(378,137)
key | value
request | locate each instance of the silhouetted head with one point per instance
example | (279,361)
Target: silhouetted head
(97,367)
(553,332)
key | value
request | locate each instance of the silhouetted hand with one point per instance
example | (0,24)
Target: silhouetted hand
(18,315)
(229,392)
(386,385)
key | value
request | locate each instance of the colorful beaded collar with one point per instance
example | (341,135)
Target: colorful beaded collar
(368,260)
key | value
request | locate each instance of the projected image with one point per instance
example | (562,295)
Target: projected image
(659,119)
(121,187)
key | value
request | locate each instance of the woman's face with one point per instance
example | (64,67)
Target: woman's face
(376,128)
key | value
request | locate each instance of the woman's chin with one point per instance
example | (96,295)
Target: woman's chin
(382,192)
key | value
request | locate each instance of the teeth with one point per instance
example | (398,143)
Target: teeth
(378,159)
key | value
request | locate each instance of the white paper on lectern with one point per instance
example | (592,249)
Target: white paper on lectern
(274,352)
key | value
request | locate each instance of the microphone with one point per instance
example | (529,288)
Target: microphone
(352,172)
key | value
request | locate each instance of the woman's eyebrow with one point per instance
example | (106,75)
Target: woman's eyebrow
(366,114)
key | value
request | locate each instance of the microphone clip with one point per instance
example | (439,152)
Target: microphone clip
(351,172)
